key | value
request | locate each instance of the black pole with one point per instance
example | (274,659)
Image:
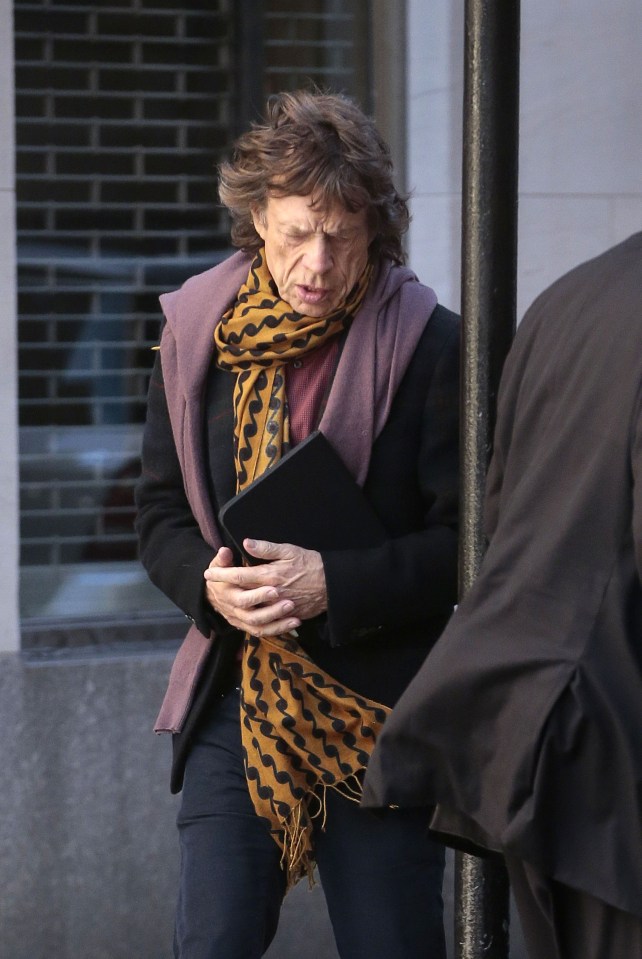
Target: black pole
(489,262)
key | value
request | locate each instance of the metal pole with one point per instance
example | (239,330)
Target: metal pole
(489,259)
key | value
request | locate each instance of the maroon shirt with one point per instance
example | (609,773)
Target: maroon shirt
(307,383)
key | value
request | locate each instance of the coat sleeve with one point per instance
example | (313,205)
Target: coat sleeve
(412,578)
(171,547)
(502,437)
(636,469)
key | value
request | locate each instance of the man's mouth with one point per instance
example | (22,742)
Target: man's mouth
(311,294)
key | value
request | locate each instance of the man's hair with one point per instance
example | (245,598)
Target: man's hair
(319,145)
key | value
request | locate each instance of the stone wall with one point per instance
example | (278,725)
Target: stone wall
(87,844)
(88,848)
(580,177)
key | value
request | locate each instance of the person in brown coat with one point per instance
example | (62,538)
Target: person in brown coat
(524,725)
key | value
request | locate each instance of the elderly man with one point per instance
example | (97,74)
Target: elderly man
(525,722)
(291,665)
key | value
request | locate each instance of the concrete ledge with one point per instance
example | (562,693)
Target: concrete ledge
(88,849)
(87,839)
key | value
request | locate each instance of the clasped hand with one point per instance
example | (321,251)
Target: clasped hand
(273,597)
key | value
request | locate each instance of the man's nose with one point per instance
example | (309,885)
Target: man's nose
(318,255)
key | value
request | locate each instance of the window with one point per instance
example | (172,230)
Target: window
(122,111)
(325,41)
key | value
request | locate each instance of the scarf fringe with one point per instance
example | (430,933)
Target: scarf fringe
(295,831)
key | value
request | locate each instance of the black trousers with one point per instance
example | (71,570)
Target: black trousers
(382,876)
(563,923)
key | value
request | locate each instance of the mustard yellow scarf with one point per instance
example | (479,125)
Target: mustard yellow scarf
(302,732)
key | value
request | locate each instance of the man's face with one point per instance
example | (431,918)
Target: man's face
(314,255)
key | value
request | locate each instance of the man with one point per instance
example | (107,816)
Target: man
(524,722)
(284,679)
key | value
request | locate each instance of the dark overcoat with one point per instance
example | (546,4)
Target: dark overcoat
(525,721)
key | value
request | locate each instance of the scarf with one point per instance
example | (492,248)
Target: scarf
(302,732)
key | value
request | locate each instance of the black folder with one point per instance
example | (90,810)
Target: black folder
(308,498)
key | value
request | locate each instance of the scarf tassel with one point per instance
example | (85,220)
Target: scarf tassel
(295,831)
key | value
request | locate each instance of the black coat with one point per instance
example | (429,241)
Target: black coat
(386,606)
(525,722)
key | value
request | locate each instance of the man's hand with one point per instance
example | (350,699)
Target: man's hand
(273,597)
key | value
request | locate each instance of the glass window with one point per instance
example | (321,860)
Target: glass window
(122,111)
(323,41)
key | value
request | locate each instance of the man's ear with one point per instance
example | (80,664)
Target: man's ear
(258,219)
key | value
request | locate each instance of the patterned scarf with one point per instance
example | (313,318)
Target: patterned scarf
(302,732)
